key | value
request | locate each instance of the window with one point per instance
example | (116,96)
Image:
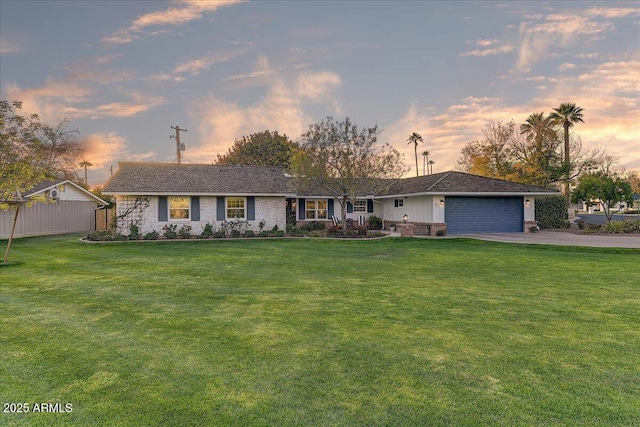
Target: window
(236,207)
(360,206)
(179,208)
(316,209)
(398,203)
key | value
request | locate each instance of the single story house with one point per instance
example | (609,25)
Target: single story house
(153,195)
(69,208)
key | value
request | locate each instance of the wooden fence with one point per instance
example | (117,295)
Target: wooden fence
(104,218)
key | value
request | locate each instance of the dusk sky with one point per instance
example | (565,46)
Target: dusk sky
(124,72)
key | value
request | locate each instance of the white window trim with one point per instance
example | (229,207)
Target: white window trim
(226,209)
(360,209)
(315,210)
(169,209)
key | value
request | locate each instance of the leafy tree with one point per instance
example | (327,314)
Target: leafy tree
(414,138)
(31,151)
(492,155)
(345,160)
(262,148)
(532,155)
(567,115)
(604,189)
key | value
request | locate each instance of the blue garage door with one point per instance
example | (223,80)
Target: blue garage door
(483,214)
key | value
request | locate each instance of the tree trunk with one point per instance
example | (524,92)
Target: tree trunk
(567,189)
(343,213)
(13,229)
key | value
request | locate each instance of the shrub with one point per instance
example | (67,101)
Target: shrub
(134,232)
(375,223)
(185,232)
(170,231)
(551,212)
(206,232)
(105,236)
(152,235)
(236,227)
(441,233)
(249,233)
(313,225)
(614,227)
(626,226)
(360,230)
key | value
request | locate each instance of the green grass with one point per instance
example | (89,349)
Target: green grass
(397,332)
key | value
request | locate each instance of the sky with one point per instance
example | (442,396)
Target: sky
(124,72)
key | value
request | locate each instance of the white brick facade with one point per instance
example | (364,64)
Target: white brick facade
(143,212)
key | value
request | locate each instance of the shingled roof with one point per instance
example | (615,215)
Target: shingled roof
(198,179)
(172,178)
(461,183)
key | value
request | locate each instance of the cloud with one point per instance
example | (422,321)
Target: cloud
(102,149)
(7,47)
(189,10)
(317,86)
(64,99)
(489,52)
(282,108)
(543,33)
(195,66)
(608,92)
(49,100)
(612,12)
(566,66)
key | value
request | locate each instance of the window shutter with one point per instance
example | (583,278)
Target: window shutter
(349,207)
(162,208)
(195,209)
(369,206)
(220,209)
(301,205)
(330,208)
(251,208)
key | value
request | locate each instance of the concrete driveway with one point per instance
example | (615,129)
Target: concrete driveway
(562,238)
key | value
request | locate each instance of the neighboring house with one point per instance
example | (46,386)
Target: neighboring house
(152,195)
(69,208)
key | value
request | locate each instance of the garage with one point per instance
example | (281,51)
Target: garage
(465,215)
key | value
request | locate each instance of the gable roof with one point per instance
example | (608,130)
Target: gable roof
(197,179)
(459,183)
(43,186)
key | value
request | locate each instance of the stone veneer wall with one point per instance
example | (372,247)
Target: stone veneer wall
(143,211)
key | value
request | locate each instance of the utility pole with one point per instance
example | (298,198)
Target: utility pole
(179,147)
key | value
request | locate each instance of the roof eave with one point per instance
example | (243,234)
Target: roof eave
(195,193)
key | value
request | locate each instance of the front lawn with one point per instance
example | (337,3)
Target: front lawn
(315,332)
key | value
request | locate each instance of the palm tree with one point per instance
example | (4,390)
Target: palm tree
(425,159)
(85,164)
(566,115)
(538,129)
(431,162)
(413,139)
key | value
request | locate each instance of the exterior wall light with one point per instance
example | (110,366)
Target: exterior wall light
(405,218)
(441,202)
(527,202)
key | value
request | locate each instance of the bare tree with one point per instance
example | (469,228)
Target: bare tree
(346,161)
